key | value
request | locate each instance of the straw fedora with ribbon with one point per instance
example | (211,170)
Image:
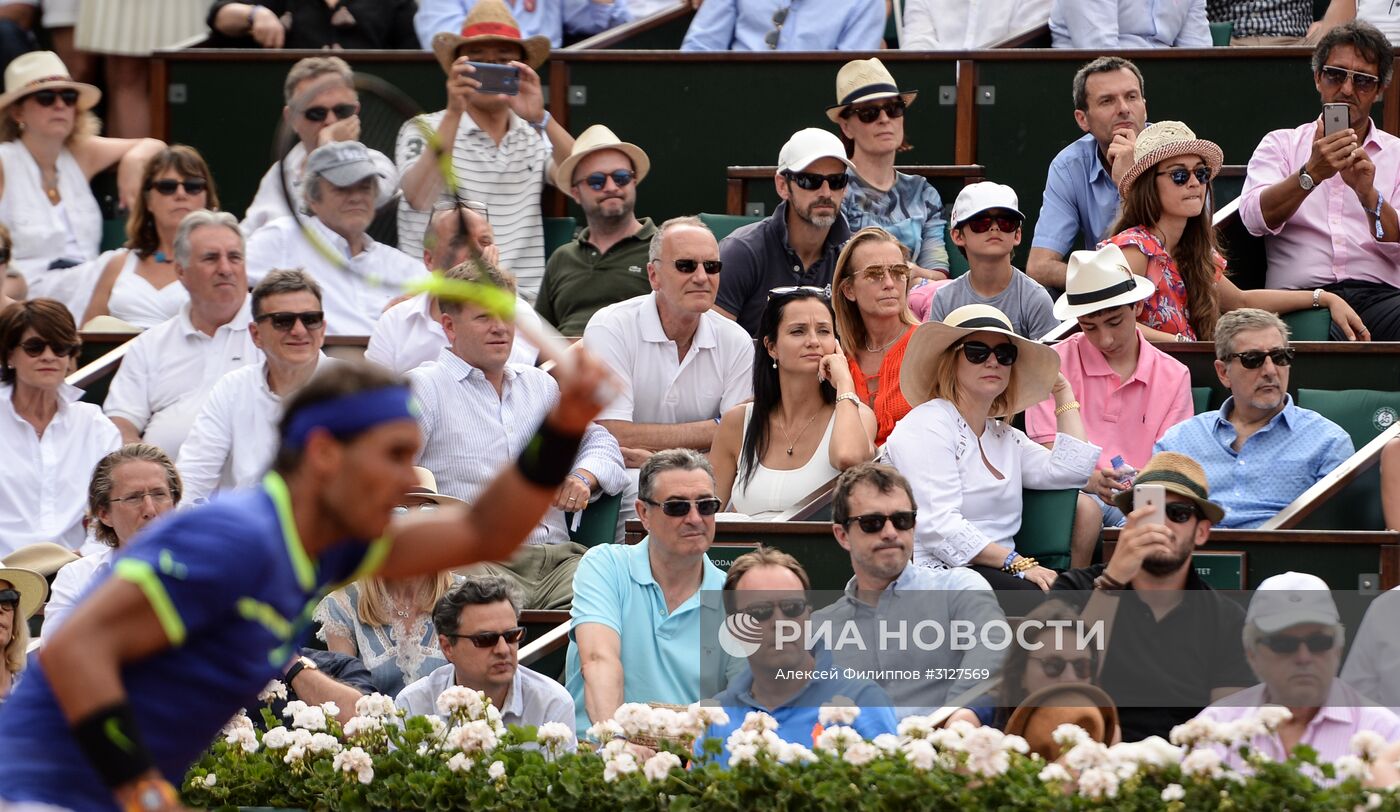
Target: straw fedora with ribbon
(1178,474)
(426,489)
(1098,280)
(1064,703)
(592,140)
(1036,364)
(489,21)
(1168,139)
(863,80)
(43,70)
(32,587)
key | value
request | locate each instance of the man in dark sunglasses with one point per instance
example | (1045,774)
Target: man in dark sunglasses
(986,228)
(480,634)
(873,517)
(1293,638)
(799,242)
(607,262)
(1260,448)
(1317,187)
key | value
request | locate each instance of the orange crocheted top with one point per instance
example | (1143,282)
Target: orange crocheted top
(889,404)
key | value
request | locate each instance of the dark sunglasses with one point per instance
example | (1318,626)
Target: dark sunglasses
(35,347)
(598,180)
(870,113)
(1253,359)
(489,639)
(167,186)
(711,266)
(1336,77)
(811,181)
(282,322)
(875,522)
(342,111)
(9,596)
(1181,175)
(1055,666)
(790,607)
(983,224)
(1181,513)
(788,290)
(976,352)
(779,17)
(676,508)
(46,98)
(1288,644)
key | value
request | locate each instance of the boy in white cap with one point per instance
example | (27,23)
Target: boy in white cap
(986,224)
(799,242)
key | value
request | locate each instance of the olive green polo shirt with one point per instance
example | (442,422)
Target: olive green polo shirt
(579,281)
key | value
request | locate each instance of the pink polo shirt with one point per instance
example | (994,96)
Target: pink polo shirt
(1329,238)
(1120,417)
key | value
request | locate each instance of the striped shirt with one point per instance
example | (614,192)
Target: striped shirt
(470,433)
(508,178)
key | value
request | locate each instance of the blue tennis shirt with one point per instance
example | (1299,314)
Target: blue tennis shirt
(234,589)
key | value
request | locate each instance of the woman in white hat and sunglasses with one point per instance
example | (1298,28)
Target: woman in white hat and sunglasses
(22,592)
(1164,228)
(966,377)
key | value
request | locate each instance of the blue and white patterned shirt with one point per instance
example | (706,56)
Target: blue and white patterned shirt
(1273,467)
(911,210)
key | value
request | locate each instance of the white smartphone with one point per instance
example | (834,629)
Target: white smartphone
(1154,497)
(1335,118)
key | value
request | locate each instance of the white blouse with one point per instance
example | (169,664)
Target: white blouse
(962,506)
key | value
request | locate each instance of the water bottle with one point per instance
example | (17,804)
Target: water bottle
(1122,471)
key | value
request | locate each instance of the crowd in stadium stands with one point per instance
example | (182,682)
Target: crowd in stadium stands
(824,343)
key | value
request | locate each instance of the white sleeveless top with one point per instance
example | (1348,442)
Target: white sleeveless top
(769,492)
(44,232)
(137,302)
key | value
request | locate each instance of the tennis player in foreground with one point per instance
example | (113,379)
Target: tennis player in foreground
(211,603)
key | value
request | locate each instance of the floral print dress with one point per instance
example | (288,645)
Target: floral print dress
(1165,309)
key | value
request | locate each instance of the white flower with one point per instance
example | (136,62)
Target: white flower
(1373,801)
(473,737)
(1153,751)
(840,712)
(1240,731)
(324,743)
(1271,716)
(836,738)
(1055,774)
(457,698)
(1085,755)
(497,770)
(276,738)
(375,706)
(920,753)
(989,765)
(1193,732)
(1067,736)
(887,742)
(1351,767)
(1098,783)
(860,754)
(660,765)
(355,761)
(294,754)
(1202,761)
(553,735)
(210,780)
(363,725)
(790,753)
(706,715)
(758,720)
(1368,744)
(1013,743)
(605,730)
(743,754)
(914,727)
(330,709)
(1173,792)
(635,718)
(618,766)
(309,718)
(244,737)
(459,763)
(240,721)
(273,690)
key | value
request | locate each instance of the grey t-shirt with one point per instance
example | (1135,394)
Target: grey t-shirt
(1024,301)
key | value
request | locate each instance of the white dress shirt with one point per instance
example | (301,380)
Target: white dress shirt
(351,303)
(715,375)
(169,370)
(962,506)
(269,203)
(534,699)
(470,433)
(72,581)
(957,25)
(234,438)
(44,481)
(1373,662)
(407,336)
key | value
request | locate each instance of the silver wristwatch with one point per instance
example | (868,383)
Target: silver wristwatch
(1305,180)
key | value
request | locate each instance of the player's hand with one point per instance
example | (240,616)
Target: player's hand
(267,28)
(586,385)
(529,102)
(572,495)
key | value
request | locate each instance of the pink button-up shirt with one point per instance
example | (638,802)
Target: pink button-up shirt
(1329,238)
(1123,418)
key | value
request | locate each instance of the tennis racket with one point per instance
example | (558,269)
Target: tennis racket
(384,110)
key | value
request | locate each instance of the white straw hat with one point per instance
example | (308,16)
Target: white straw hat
(1097,280)
(43,70)
(1036,364)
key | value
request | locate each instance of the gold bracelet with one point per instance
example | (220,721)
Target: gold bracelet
(1022,564)
(1073,404)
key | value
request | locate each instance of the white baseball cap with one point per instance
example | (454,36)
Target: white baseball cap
(1290,599)
(976,198)
(808,146)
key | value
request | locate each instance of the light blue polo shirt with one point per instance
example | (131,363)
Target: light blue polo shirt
(663,658)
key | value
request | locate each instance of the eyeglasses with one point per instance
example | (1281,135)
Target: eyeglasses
(1253,359)
(1055,666)
(167,186)
(159,496)
(1336,77)
(1288,644)
(489,639)
(811,181)
(342,111)
(46,98)
(869,114)
(598,180)
(711,266)
(875,522)
(876,273)
(9,596)
(676,508)
(983,224)
(788,290)
(976,352)
(779,17)
(1181,512)
(404,510)
(35,347)
(282,322)
(790,607)
(1181,175)
(450,205)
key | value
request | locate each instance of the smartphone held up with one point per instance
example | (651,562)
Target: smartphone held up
(501,80)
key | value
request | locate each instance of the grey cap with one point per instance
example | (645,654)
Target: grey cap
(343,163)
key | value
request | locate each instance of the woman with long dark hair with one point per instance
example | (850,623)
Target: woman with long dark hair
(805,424)
(1165,230)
